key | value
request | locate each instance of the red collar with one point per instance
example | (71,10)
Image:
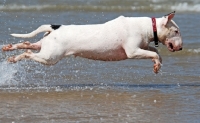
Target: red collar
(155,31)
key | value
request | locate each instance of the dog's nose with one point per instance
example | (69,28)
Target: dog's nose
(181,48)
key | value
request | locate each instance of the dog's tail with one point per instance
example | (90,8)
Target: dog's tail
(43,28)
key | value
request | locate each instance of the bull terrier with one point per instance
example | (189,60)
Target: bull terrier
(118,39)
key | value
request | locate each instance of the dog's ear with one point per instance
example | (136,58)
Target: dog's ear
(169,14)
(168,17)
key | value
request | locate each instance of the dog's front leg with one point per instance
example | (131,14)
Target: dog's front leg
(145,54)
(150,48)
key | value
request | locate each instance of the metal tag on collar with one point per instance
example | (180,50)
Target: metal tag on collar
(156,44)
(155,39)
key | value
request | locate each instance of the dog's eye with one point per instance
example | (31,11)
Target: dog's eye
(176,31)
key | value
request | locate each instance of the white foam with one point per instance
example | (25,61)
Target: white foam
(194,50)
(181,7)
(25,7)
(186,7)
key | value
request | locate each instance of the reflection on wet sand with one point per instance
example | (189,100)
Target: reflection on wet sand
(94,105)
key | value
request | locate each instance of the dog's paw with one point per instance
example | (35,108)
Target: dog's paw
(12,59)
(156,67)
(7,47)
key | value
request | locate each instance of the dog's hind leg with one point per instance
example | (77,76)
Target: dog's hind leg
(24,45)
(28,54)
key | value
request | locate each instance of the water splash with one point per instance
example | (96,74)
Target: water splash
(7,74)
(3,5)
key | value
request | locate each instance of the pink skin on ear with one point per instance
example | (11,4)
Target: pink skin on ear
(168,18)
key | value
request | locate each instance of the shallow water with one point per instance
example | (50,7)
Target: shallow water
(82,90)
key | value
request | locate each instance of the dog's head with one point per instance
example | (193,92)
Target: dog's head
(169,33)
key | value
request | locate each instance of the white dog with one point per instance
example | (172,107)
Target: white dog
(118,39)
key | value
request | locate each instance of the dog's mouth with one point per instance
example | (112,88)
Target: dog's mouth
(170,47)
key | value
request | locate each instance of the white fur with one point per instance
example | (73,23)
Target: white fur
(118,39)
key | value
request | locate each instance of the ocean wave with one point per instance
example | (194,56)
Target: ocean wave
(186,7)
(184,52)
(195,51)
(181,7)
